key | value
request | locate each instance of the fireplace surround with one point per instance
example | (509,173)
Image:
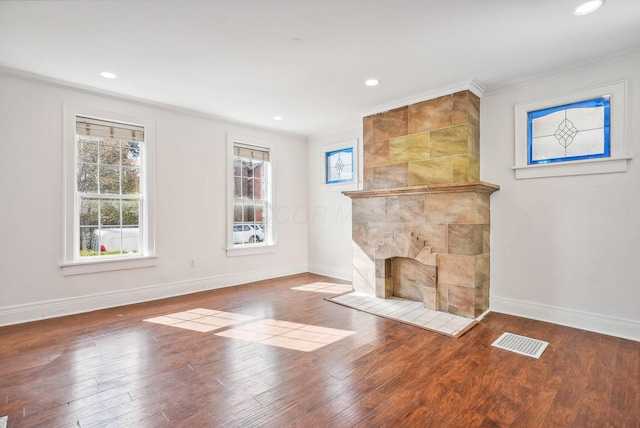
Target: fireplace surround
(421,223)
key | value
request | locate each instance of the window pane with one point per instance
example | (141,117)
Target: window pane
(130,213)
(110,154)
(248,213)
(131,153)
(260,213)
(247,188)
(237,187)
(130,181)
(258,170)
(89,245)
(110,212)
(89,211)
(237,212)
(110,179)
(237,167)
(87,152)
(87,178)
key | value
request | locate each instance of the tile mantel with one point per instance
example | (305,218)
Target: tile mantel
(473,187)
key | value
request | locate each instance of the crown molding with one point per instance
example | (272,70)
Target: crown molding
(473,86)
(612,58)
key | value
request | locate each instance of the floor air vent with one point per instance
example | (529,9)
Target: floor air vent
(521,344)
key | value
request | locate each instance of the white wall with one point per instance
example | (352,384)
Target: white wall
(330,210)
(564,249)
(190,207)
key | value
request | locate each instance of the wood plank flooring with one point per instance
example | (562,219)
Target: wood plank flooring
(110,368)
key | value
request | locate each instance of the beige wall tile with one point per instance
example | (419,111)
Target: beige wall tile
(483,211)
(450,208)
(486,238)
(442,293)
(482,268)
(378,231)
(361,284)
(368,209)
(434,171)
(431,114)
(466,168)
(390,124)
(466,108)
(367,130)
(461,301)
(404,208)
(409,148)
(387,177)
(376,154)
(457,269)
(427,257)
(409,277)
(450,141)
(481,299)
(383,268)
(367,179)
(430,298)
(466,239)
(384,287)
(435,235)
(359,233)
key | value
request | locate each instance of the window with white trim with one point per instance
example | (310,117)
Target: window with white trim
(251,194)
(107,203)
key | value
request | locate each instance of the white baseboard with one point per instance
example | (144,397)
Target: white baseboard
(334,272)
(75,305)
(598,323)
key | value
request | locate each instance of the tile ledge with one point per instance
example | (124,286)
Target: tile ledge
(472,186)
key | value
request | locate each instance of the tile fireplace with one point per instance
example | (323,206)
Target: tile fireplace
(421,223)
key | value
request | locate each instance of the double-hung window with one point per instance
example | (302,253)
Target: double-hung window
(107,191)
(251,195)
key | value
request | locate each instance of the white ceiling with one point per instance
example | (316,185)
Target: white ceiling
(237,58)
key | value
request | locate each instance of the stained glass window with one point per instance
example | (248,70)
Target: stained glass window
(569,132)
(339,166)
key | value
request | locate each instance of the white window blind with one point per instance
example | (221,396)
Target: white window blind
(105,129)
(251,152)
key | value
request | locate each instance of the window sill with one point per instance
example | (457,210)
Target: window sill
(250,251)
(560,169)
(95,266)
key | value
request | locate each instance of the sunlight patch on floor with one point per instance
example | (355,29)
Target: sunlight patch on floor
(325,287)
(285,334)
(200,319)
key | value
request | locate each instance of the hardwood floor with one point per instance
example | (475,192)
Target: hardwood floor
(111,368)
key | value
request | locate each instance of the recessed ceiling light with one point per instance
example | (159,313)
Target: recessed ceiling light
(108,75)
(588,7)
(372,82)
(277,117)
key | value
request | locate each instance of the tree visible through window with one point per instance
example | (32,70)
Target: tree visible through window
(251,194)
(108,187)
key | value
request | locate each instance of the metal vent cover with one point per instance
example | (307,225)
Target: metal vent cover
(521,344)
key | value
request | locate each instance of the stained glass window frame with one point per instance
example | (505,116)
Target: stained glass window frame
(328,166)
(619,133)
(604,102)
